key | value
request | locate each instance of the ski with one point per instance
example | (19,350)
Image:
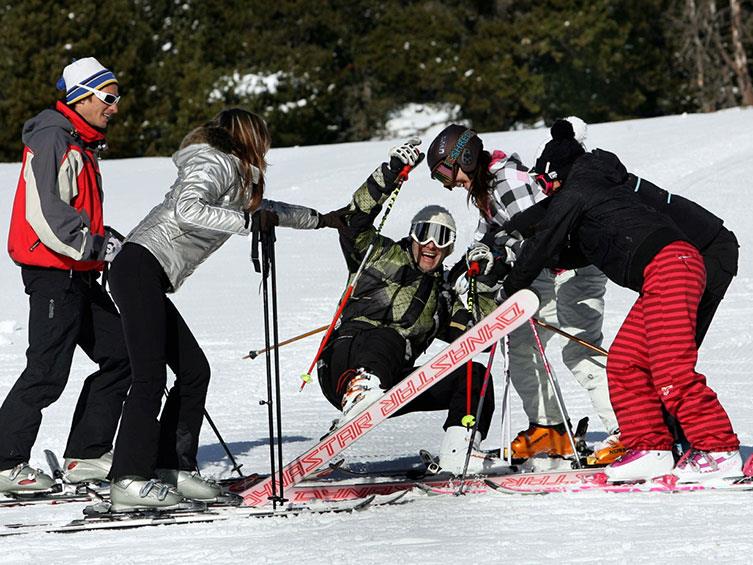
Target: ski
(596,481)
(133,520)
(508,316)
(14,501)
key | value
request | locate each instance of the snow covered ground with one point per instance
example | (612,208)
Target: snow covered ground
(708,158)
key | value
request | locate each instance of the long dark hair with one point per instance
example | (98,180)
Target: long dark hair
(481,180)
(244,134)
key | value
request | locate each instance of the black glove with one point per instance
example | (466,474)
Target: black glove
(334,219)
(107,246)
(115,233)
(264,221)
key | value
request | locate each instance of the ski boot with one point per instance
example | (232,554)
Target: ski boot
(640,465)
(87,470)
(363,389)
(24,479)
(192,485)
(453,451)
(699,466)
(608,451)
(550,440)
(135,494)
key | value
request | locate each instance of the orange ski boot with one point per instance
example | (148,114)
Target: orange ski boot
(538,438)
(608,452)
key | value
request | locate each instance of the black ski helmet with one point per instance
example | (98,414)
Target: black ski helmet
(443,145)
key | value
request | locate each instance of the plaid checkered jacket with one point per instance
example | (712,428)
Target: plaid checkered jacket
(512,191)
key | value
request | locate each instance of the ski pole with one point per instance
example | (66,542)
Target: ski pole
(506,449)
(468,420)
(275,459)
(269,242)
(479,408)
(401,178)
(236,467)
(557,393)
(583,342)
(255,354)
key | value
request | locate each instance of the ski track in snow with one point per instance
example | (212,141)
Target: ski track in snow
(706,157)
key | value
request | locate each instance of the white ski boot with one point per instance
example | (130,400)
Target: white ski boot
(453,451)
(23,478)
(641,465)
(191,484)
(87,470)
(363,389)
(700,466)
(134,494)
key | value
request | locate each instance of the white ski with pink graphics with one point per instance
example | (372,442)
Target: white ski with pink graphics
(511,314)
(595,480)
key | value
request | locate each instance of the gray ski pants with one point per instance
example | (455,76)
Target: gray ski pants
(574,302)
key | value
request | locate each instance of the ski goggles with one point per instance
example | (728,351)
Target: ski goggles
(425,232)
(106,97)
(446,171)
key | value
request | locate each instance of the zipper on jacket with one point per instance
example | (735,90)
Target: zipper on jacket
(35,245)
(51,309)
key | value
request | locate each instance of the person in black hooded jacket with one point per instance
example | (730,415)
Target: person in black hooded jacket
(591,212)
(717,244)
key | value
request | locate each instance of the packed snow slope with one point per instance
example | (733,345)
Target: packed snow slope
(708,158)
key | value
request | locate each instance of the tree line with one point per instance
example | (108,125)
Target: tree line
(335,71)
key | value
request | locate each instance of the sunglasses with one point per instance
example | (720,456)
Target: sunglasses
(106,97)
(425,232)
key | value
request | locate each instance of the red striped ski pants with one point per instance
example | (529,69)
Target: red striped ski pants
(652,360)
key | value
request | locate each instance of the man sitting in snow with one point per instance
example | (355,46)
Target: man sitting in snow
(401,303)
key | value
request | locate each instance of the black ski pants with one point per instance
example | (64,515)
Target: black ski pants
(66,309)
(720,258)
(157,337)
(381,351)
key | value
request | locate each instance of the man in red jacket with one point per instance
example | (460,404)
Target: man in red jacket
(58,238)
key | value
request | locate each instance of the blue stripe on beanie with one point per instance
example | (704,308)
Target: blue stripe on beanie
(96,81)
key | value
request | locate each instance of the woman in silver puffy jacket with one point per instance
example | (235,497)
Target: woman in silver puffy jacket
(219,187)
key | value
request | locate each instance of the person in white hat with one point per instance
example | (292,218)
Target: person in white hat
(59,239)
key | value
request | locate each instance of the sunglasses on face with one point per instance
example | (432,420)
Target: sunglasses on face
(106,97)
(425,232)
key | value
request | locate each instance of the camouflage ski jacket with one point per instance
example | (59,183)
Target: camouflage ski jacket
(392,291)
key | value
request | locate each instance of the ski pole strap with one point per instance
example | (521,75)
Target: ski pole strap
(255,250)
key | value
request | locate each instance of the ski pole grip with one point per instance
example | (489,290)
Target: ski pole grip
(403,174)
(474,269)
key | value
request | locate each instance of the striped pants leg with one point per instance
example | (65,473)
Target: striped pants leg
(652,360)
